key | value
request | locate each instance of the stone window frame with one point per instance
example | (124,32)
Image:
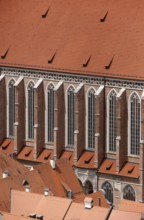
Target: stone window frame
(50,85)
(29,137)
(87,118)
(109,150)
(131,194)
(136,149)
(9,107)
(69,137)
(109,191)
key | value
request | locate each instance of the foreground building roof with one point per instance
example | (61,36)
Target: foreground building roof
(103,38)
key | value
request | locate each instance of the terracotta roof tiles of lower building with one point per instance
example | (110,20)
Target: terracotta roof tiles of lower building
(121,215)
(98,199)
(131,206)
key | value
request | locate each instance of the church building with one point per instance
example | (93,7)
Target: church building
(72,86)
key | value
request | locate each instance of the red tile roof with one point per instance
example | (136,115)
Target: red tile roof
(27,153)
(60,180)
(131,206)
(98,199)
(128,170)
(68,155)
(16,182)
(28,203)
(78,211)
(120,215)
(71,33)
(86,160)
(7,146)
(11,165)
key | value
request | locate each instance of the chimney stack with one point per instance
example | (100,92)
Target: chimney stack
(5,174)
(88,202)
(46,191)
(52,163)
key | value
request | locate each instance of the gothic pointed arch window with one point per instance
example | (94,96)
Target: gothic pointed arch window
(70,116)
(129,193)
(30,99)
(11,107)
(112,121)
(107,187)
(134,124)
(50,113)
(91,119)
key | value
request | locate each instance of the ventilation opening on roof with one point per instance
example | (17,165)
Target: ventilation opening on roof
(70,156)
(25,182)
(27,154)
(44,15)
(32,215)
(52,58)
(39,217)
(5,54)
(131,170)
(47,157)
(104,18)
(108,167)
(5,147)
(87,62)
(110,63)
(88,160)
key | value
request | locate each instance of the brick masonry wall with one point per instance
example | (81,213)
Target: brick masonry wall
(19,126)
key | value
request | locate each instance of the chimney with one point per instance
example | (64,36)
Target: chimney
(88,203)
(46,191)
(52,163)
(5,174)
(27,188)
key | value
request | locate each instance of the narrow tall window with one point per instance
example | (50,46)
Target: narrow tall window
(30,110)
(11,107)
(91,118)
(70,117)
(134,124)
(108,191)
(129,193)
(112,121)
(50,113)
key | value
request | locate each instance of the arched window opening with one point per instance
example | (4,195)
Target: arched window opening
(11,107)
(50,113)
(108,191)
(112,121)
(88,187)
(70,117)
(134,124)
(129,193)
(91,119)
(30,110)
